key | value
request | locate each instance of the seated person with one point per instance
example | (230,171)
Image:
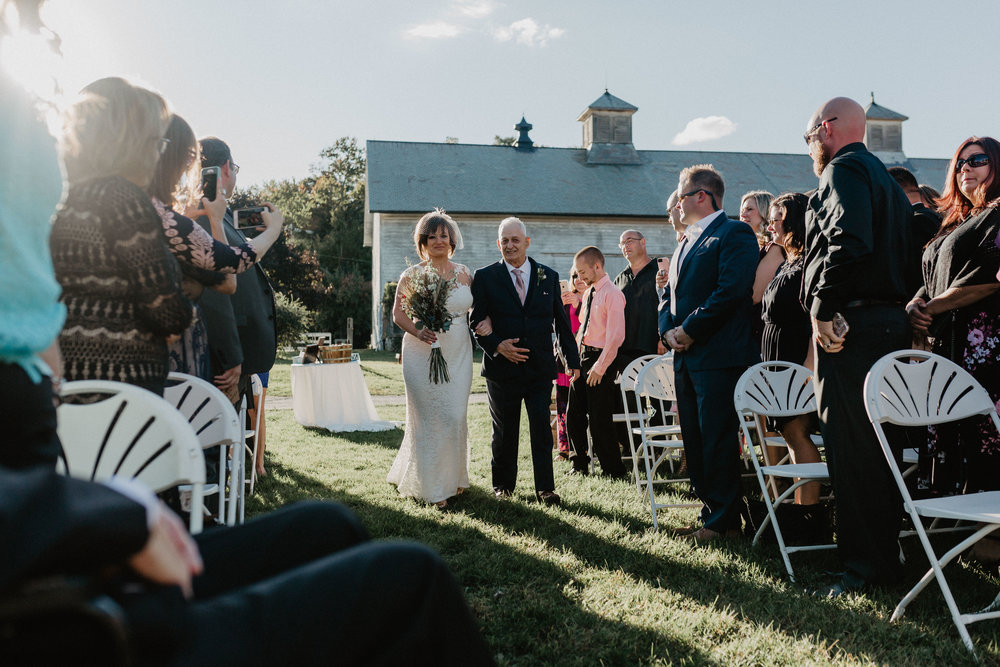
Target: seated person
(298,586)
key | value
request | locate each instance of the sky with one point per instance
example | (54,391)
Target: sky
(279,81)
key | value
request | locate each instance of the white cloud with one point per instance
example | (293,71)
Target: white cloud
(704,129)
(527,32)
(435,30)
(475,9)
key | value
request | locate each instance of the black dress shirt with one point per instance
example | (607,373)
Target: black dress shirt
(641,301)
(858,236)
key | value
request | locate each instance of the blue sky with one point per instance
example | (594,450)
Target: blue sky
(281,80)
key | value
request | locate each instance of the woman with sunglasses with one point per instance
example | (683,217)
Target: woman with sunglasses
(958,311)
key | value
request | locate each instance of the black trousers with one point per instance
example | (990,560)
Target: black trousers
(593,407)
(28,433)
(303,586)
(505,409)
(710,429)
(869,508)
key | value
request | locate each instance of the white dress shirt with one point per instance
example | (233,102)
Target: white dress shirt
(691,234)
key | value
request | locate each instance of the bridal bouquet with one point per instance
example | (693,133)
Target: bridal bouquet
(425,299)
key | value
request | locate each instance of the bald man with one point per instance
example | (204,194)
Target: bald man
(858,245)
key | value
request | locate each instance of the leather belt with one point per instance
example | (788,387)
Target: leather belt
(584,349)
(864,303)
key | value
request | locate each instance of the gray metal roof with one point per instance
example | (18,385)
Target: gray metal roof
(410,177)
(878,112)
(608,102)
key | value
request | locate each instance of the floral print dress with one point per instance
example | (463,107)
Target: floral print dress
(965,457)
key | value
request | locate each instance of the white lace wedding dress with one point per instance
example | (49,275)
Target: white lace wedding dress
(433,461)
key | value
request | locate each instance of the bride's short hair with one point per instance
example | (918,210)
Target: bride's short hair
(430,223)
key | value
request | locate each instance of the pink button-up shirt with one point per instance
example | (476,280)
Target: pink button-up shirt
(606,328)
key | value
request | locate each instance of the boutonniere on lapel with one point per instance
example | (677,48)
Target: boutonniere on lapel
(541,276)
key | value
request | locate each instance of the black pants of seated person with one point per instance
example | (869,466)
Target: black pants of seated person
(593,407)
(303,586)
(28,434)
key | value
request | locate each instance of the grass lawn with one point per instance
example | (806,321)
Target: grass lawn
(383,375)
(590,583)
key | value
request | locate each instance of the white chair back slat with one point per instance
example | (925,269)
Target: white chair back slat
(132,433)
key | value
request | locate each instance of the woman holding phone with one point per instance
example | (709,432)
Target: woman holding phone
(207,260)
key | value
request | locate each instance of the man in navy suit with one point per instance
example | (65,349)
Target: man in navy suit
(522,299)
(705,320)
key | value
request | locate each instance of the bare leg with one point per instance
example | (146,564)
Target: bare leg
(802,450)
(261,433)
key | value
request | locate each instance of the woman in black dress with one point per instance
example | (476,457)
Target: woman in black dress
(958,310)
(787,334)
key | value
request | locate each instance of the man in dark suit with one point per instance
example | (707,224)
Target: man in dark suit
(522,299)
(857,256)
(705,320)
(298,586)
(242,337)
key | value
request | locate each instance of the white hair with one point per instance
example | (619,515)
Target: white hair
(510,221)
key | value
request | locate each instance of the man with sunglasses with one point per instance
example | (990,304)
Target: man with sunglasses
(705,320)
(858,249)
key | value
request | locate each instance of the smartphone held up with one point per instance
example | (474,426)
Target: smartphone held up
(210,183)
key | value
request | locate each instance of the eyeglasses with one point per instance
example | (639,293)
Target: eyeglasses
(236,167)
(977,160)
(626,242)
(684,196)
(808,136)
(161,145)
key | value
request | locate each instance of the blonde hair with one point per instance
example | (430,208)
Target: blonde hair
(114,130)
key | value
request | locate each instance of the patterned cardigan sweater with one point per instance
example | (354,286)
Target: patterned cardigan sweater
(121,286)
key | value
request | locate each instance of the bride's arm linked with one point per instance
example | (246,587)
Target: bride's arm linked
(404,322)
(485,326)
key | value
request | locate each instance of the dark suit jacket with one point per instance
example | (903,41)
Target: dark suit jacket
(241,327)
(714,294)
(494,296)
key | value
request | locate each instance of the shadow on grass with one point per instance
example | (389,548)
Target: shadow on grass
(529,609)
(390,439)
(533,611)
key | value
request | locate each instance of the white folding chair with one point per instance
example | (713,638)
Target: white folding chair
(216,424)
(777,389)
(655,384)
(626,385)
(131,433)
(933,390)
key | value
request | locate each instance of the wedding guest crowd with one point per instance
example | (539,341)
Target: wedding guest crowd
(316,590)
(868,263)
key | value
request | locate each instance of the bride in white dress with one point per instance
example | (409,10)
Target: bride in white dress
(433,460)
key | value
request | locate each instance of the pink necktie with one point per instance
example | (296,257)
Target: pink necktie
(519,283)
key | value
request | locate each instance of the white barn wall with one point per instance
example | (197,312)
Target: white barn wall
(554,241)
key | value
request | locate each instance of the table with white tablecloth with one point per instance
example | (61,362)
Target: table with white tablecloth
(334,397)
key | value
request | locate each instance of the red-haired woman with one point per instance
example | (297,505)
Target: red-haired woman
(958,308)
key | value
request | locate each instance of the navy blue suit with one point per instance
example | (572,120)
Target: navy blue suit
(714,298)
(507,383)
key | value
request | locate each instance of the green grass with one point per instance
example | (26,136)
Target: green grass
(590,583)
(383,375)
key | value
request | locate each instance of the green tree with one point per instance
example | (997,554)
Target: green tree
(503,141)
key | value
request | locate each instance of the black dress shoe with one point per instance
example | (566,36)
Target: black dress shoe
(583,472)
(547,497)
(846,585)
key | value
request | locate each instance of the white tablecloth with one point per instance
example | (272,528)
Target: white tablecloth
(334,397)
